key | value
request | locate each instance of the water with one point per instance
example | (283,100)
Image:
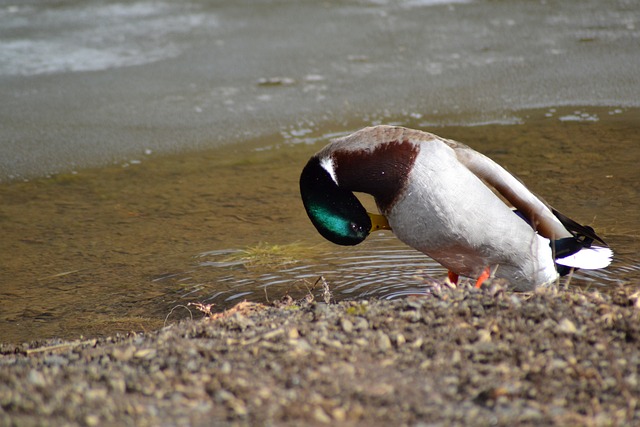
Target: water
(125,247)
(95,82)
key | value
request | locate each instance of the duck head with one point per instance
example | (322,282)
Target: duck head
(368,161)
(336,212)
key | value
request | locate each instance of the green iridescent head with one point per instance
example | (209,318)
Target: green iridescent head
(336,213)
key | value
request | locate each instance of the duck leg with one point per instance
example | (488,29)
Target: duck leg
(453,277)
(484,276)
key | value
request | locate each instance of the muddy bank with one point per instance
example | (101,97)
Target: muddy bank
(455,357)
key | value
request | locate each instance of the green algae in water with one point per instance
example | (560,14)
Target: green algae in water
(268,256)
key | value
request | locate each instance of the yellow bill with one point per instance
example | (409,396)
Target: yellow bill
(378,222)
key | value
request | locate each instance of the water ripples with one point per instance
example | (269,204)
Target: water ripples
(382,267)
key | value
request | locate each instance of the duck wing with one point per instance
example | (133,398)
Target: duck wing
(571,241)
(536,212)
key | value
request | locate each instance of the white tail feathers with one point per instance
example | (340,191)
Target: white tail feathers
(588,258)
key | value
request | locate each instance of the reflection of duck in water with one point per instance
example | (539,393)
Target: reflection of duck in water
(435,194)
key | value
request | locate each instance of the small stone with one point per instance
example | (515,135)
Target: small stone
(321,416)
(331,343)
(95,394)
(36,378)
(557,364)
(515,300)
(346,325)
(122,354)
(567,326)
(238,407)
(361,342)
(361,324)
(381,389)
(414,303)
(412,316)
(92,420)
(426,364)
(264,393)
(384,343)
(145,353)
(484,335)
(632,380)
(224,396)
(301,345)
(225,368)
(117,385)
(339,414)
(273,334)
(320,310)
(55,359)
(399,340)
(417,343)
(243,322)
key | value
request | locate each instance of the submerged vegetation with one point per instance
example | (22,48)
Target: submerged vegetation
(268,256)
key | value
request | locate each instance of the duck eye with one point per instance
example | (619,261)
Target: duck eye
(357,228)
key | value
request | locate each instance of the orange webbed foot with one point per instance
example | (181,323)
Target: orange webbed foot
(484,276)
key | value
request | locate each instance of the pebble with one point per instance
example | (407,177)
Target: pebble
(567,326)
(293,334)
(225,368)
(399,340)
(383,341)
(361,324)
(321,416)
(145,353)
(302,345)
(123,354)
(339,415)
(36,378)
(92,420)
(347,325)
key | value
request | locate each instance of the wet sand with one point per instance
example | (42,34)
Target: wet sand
(455,357)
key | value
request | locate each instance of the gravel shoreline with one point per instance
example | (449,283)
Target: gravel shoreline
(455,357)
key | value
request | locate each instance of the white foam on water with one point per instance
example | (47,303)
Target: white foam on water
(90,37)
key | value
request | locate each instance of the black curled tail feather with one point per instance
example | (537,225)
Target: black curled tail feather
(583,234)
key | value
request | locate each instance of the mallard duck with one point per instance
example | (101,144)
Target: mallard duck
(436,195)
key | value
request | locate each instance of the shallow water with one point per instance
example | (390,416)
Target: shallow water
(123,248)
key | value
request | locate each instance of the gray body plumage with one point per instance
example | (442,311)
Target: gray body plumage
(448,213)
